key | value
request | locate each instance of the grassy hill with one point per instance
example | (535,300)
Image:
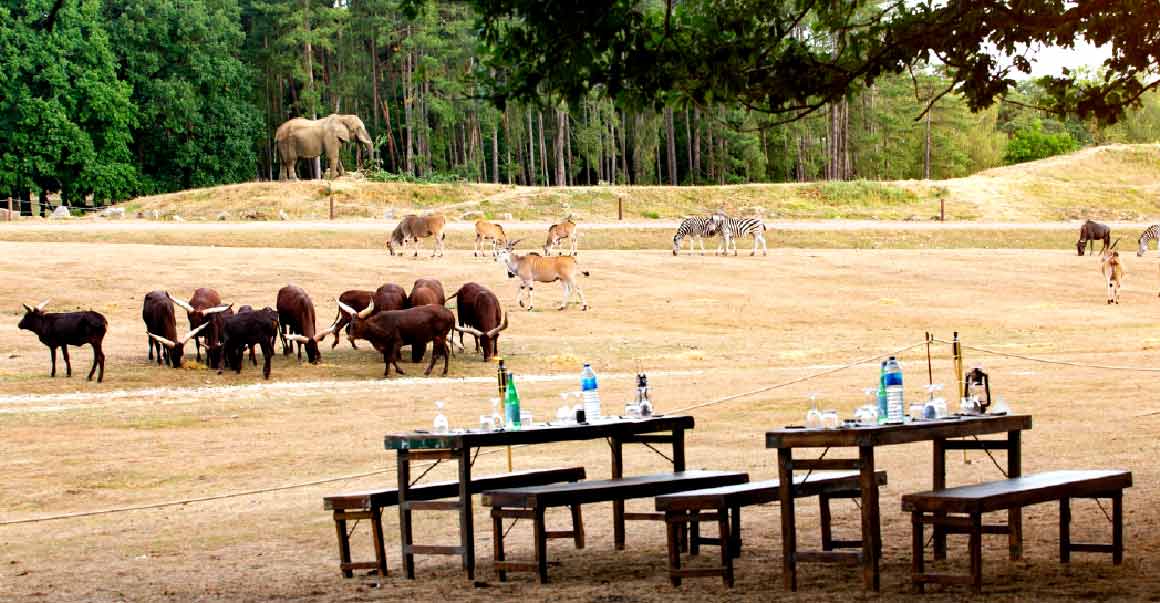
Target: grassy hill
(1116,182)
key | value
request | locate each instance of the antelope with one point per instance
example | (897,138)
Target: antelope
(559,232)
(412,228)
(485,230)
(533,268)
(1112,270)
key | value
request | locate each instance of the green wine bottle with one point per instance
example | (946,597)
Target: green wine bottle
(512,404)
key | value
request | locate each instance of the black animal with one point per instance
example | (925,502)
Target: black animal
(389,330)
(62,329)
(480,316)
(161,329)
(296,320)
(270,314)
(357,299)
(1093,231)
(245,329)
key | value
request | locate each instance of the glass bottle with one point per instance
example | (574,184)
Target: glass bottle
(512,404)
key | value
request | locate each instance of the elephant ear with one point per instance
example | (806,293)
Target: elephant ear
(342,132)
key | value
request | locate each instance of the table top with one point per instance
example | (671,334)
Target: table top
(537,434)
(883,435)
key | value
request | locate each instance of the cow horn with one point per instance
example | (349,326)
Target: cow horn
(184,306)
(366,311)
(495,331)
(163,341)
(327,331)
(468,331)
(216,309)
(298,338)
(41,305)
(345,308)
(193,333)
(26,308)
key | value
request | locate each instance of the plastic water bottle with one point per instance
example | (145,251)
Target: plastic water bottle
(892,379)
(883,405)
(589,393)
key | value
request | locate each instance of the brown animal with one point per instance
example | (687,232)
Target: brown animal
(296,317)
(412,228)
(387,297)
(559,232)
(531,269)
(486,231)
(161,329)
(202,300)
(424,291)
(388,330)
(1113,272)
(357,299)
(479,315)
(62,329)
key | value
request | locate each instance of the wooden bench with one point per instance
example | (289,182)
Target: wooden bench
(532,502)
(725,503)
(970,502)
(369,505)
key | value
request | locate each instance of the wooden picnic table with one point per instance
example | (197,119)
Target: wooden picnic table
(866,438)
(422,446)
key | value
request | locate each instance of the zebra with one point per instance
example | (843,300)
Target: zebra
(732,228)
(1152,232)
(695,228)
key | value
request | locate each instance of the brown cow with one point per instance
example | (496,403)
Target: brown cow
(296,320)
(389,330)
(357,299)
(480,315)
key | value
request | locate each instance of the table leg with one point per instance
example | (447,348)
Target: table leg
(618,505)
(466,517)
(678,450)
(938,482)
(403,471)
(871,522)
(788,526)
(1015,515)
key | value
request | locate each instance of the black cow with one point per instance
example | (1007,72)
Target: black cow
(242,330)
(62,329)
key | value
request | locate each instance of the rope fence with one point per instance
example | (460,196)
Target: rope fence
(714,402)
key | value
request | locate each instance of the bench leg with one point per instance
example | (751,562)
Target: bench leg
(497,539)
(976,548)
(674,521)
(735,542)
(1118,527)
(343,545)
(377,536)
(824,519)
(917,567)
(541,534)
(693,541)
(726,548)
(577,527)
(1064,530)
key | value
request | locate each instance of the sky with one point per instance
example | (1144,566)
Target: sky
(1052,61)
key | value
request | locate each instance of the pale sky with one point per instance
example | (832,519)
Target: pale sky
(1051,60)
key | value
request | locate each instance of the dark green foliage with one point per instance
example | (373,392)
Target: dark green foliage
(1032,142)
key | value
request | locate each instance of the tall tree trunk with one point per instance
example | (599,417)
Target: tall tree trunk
(670,147)
(710,161)
(543,149)
(612,142)
(308,56)
(624,145)
(638,158)
(392,152)
(569,175)
(926,147)
(696,165)
(495,153)
(689,145)
(409,108)
(532,174)
(559,144)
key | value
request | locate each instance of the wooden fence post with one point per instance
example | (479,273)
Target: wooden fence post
(9,208)
(619,208)
(942,210)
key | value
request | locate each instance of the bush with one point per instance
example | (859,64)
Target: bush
(1032,142)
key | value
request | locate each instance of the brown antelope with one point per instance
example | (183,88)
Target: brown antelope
(533,268)
(559,232)
(486,231)
(1113,271)
(412,228)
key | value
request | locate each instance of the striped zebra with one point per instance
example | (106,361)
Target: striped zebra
(1152,232)
(694,229)
(733,228)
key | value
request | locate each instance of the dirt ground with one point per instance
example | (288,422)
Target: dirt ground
(702,327)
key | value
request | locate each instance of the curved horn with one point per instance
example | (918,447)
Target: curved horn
(512,244)
(163,341)
(41,305)
(367,311)
(495,331)
(184,306)
(345,308)
(193,333)
(26,308)
(327,331)
(298,338)
(1116,243)
(467,331)
(216,309)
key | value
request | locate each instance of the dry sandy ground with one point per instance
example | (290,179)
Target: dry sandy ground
(703,327)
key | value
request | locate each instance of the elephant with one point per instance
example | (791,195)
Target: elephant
(302,138)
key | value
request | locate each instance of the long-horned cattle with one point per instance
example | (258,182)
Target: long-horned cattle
(387,331)
(62,329)
(269,314)
(486,231)
(203,299)
(245,329)
(559,232)
(296,320)
(480,316)
(161,329)
(412,228)
(531,269)
(424,291)
(357,299)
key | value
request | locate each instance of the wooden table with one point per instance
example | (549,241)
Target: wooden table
(416,446)
(866,438)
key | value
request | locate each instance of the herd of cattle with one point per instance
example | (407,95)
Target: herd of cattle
(388,318)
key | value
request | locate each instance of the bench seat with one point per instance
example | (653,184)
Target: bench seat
(945,509)
(368,504)
(725,503)
(532,502)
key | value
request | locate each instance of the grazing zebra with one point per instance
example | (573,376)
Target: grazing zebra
(695,228)
(1152,232)
(732,228)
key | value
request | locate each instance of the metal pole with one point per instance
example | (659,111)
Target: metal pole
(957,350)
(929,370)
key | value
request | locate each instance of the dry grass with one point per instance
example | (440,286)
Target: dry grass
(728,325)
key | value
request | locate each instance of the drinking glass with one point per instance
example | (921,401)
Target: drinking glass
(813,415)
(441,425)
(525,418)
(485,422)
(830,419)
